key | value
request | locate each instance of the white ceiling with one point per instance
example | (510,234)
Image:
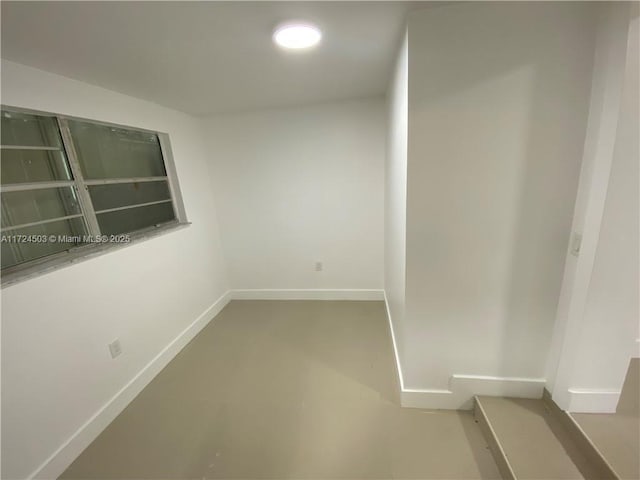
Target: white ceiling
(207,57)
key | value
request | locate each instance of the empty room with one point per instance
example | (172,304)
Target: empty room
(320,240)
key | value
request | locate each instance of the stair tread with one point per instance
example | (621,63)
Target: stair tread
(617,437)
(534,442)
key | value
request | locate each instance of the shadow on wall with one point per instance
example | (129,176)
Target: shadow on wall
(501,107)
(549,187)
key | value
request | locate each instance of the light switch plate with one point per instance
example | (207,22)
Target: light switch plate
(115,348)
(576,241)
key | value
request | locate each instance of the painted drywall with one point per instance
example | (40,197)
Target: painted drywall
(610,326)
(395,195)
(608,74)
(597,320)
(56,368)
(498,102)
(300,186)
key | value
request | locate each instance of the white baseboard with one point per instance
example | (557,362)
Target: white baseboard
(467,386)
(395,345)
(428,398)
(593,400)
(307,294)
(69,451)
(462,388)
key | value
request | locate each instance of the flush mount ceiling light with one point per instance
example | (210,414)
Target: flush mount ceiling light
(296,36)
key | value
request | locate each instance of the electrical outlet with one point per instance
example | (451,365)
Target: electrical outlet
(318,266)
(115,348)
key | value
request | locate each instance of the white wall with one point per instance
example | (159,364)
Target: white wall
(498,100)
(610,326)
(597,320)
(395,208)
(301,185)
(56,368)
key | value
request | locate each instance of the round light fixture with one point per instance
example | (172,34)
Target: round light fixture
(296,36)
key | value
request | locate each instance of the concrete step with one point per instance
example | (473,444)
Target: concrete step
(615,437)
(529,441)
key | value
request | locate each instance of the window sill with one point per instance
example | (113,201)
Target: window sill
(72,257)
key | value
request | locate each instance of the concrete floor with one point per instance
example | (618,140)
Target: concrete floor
(297,389)
(534,441)
(617,435)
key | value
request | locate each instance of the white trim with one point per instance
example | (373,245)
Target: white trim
(306,294)
(395,346)
(584,400)
(438,399)
(462,388)
(598,151)
(502,379)
(466,387)
(87,433)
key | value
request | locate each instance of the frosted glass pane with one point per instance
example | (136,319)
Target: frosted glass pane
(137,218)
(119,195)
(20,166)
(29,130)
(35,205)
(14,253)
(111,152)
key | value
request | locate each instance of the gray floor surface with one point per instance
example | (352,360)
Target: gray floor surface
(295,389)
(617,435)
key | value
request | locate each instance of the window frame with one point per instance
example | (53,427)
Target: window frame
(38,266)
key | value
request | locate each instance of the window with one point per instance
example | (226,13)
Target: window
(70,186)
